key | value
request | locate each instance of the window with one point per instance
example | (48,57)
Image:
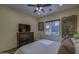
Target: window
(48,28)
(52,27)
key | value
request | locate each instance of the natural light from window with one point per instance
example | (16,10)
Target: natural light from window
(52,27)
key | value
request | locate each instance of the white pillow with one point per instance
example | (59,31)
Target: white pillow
(76,44)
(73,40)
(77,48)
(76,41)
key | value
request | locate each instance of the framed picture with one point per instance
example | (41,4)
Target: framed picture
(41,26)
(69,25)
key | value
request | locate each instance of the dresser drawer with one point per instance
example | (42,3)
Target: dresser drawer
(24,38)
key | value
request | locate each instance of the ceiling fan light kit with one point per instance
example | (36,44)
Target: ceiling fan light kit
(39,7)
(38,13)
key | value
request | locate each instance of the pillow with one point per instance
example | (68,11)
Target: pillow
(67,46)
(73,40)
(76,44)
(77,48)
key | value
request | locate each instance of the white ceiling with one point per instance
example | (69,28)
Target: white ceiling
(29,10)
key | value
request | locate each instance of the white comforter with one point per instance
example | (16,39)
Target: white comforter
(40,47)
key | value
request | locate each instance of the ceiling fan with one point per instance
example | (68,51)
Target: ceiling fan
(39,7)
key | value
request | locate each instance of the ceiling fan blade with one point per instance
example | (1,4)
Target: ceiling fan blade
(43,10)
(31,5)
(39,5)
(34,11)
(46,5)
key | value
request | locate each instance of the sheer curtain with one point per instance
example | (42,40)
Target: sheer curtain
(52,30)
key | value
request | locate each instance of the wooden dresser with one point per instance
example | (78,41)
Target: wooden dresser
(24,38)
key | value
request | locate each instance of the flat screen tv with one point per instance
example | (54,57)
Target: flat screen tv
(24,28)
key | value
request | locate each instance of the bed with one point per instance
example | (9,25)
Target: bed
(43,46)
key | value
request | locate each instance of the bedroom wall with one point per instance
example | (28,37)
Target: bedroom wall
(9,20)
(73,11)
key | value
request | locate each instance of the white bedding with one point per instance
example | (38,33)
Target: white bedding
(40,47)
